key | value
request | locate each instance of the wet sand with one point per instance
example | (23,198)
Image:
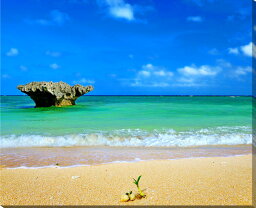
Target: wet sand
(197,181)
(72,156)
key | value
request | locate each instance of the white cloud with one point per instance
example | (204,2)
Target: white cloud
(23,68)
(187,76)
(83,81)
(53,53)
(144,73)
(203,70)
(54,66)
(120,9)
(242,70)
(12,52)
(194,19)
(234,71)
(151,70)
(125,12)
(162,73)
(151,76)
(249,49)
(148,67)
(233,51)
(55,17)
(194,76)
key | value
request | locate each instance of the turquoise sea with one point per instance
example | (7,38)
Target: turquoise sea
(128,121)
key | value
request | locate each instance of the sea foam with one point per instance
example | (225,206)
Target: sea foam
(136,138)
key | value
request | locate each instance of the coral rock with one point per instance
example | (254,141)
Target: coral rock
(47,94)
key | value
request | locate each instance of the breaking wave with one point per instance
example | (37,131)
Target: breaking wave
(136,138)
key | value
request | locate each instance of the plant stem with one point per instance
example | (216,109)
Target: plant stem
(140,192)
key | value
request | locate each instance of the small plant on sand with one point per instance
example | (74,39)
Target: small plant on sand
(129,196)
(136,182)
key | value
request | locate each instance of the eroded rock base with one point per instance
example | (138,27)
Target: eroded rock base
(46,94)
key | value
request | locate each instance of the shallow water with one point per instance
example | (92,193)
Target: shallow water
(79,156)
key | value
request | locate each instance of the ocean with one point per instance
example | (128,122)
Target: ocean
(108,125)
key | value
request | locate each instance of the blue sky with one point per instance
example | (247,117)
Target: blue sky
(129,47)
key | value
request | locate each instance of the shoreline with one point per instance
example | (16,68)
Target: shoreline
(116,162)
(194,181)
(64,157)
(132,147)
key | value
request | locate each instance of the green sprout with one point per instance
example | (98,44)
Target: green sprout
(136,182)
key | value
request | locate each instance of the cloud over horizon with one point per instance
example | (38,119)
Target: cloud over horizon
(196,76)
(203,70)
(151,76)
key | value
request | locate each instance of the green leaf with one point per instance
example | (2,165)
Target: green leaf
(138,179)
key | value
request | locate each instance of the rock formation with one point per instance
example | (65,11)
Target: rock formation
(47,94)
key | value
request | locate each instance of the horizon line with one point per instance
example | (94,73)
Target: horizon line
(160,95)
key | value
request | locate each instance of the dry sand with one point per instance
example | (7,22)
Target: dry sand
(199,181)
